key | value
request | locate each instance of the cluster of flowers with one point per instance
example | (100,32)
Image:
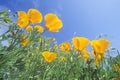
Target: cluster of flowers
(53,24)
(80,43)
(37,57)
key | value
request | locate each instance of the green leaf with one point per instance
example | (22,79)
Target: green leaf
(7,20)
(4,13)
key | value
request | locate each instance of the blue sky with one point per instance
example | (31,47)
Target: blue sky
(87,18)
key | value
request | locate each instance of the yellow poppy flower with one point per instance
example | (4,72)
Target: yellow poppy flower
(49,56)
(24,42)
(29,28)
(34,16)
(80,43)
(85,55)
(22,19)
(97,62)
(52,22)
(100,46)
(62,58)
(65,46)
(96,56)
(40,29)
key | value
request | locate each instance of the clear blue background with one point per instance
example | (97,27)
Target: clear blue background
(87,18)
